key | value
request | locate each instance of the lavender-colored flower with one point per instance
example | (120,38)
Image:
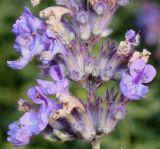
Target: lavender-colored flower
(18,136)
(34,38)
(64,47)
(53,47)
(118,111)
(29,41)
(131,85)
(32,122)
(84,26)
(115,113)
(132,37)
(91,22)
(101,18)
(58,85)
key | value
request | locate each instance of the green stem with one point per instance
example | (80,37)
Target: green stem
(96,145)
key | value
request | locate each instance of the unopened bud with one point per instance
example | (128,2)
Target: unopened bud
(100,8)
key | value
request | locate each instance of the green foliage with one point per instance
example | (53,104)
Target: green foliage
(141,128)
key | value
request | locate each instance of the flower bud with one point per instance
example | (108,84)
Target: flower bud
(132,37)
(84,26)
(100,8)
(119,112)
(82,18)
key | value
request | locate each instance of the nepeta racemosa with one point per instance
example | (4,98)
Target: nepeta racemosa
(63,43)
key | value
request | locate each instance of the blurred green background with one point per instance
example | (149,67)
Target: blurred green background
(140,129)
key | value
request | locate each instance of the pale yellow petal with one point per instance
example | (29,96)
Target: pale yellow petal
(69,103)
(56,11)
(35,2)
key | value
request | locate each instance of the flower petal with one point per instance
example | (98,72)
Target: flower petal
(131,90)
(137,66)
(50,88)
(18,64)
(148,74)
(56,72)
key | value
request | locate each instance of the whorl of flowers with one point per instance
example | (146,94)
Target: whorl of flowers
(64,44)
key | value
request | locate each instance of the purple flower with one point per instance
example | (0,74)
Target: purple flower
(32,38)
(19,136)
(132,37)
(118,111)
(84,26)
(54,48)
(32,122)
(29,41)
(101,19)
(100,8)
(46,105)
(115,113)
(60,84)
(131,85)
(64,45)
(26,29)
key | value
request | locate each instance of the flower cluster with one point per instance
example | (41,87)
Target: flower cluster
(63,44)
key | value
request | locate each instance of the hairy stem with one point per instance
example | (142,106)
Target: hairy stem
(96,145)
